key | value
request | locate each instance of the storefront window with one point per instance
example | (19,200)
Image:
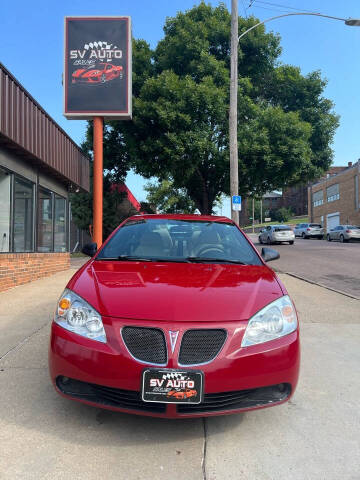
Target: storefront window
(45,222)
(4,211)
(23,215)
(60,224)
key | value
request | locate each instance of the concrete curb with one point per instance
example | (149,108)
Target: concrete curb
(299,277)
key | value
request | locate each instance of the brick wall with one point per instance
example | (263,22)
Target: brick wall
(19,268)
(347,205)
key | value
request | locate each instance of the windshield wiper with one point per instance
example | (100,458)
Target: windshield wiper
(125,258)
(215,260)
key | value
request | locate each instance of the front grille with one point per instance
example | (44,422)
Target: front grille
(201,346)
(112,397)
(256,397)
(146,344)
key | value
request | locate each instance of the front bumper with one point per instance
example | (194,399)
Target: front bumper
(238,379)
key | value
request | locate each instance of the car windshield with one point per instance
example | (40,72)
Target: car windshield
(352,227)
(281,228)
(176,240)
(315,225)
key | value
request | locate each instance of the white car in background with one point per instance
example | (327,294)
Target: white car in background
(277,234)
(309,230)
(344,233)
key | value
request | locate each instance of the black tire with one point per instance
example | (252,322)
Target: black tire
(268,241)
(328,238)
(303,236)
(291,242)
(260,241)
(341,238)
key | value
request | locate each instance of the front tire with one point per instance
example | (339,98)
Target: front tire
(328,238)
(291,242)
(303,236)
(268,241)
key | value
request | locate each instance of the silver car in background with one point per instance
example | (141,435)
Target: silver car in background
(344,233)
(309,230)
(277,234)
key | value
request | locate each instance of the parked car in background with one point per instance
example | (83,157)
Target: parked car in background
(344,233)
(309,230)
(277,234)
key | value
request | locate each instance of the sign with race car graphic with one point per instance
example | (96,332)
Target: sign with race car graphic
(97,67)
(172,386)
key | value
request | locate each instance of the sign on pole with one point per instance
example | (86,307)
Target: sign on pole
(97,67)
(236,202)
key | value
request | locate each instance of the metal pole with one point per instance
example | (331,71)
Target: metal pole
(98,181)
(233,144)
(253,215)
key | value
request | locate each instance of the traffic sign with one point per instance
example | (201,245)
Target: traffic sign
(236,202)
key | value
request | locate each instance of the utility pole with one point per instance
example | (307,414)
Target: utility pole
(233,143)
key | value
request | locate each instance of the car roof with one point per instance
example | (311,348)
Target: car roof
(181,216)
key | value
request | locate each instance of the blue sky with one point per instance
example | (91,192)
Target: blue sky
(32,49)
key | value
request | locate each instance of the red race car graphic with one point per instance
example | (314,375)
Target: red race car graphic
(101,73)
(181,395)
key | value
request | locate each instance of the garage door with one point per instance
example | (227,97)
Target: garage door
(333,220)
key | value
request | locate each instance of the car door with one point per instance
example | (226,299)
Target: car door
(336,233)
(296,230)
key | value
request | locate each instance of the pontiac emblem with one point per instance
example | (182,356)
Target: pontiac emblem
(173,339)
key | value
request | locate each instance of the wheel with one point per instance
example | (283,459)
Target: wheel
(291,242)
(328,238)
(103,78)
(342,238)
(268,241)
(303,235)
(260,241)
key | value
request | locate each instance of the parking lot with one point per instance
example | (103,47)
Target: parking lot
(332,264)
(314,436)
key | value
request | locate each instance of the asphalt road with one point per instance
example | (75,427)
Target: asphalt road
(332,264)
(314,436)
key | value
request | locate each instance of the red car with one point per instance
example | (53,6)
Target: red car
(180,395)
(100,73)
(176,302)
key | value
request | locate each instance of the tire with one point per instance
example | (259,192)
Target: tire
(341,238)
(268,241)
(328,238)
(260,241)
(292,242)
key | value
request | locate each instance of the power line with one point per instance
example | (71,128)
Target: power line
(283,6)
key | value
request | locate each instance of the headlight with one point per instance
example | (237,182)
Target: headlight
(76,315)
(273,321)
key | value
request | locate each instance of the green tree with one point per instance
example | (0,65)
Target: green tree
(168,199)
(180,112)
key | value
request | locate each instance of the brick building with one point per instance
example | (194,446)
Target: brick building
(39,166)
(334,200)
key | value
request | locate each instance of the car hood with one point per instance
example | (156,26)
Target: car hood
(176,291)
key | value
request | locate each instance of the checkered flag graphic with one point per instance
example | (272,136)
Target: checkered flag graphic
(100,44)
(174,376)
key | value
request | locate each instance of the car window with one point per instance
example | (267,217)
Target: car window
(177,240)
(282,228)
(352,227)
(315,225)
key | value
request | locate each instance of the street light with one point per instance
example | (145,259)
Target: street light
(233,146)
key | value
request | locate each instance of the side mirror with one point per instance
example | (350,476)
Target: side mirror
(89,249)
(269,254)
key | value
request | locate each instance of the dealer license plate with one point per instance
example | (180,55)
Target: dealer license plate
(172,386)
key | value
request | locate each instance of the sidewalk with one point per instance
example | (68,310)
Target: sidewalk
(314,436)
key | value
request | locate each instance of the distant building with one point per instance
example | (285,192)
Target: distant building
(272,201)
(334,200)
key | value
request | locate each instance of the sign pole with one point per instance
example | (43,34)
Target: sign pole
(98,181)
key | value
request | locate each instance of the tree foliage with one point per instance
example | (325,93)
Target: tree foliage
(169,199)
(180,112)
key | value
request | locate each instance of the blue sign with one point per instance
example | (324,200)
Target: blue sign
(236,202)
